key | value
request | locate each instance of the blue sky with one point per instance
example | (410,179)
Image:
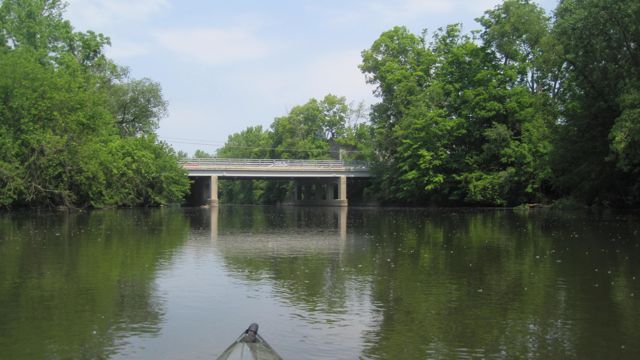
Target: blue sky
(227,65)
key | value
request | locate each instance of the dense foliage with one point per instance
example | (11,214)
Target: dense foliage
(597,155)
(75,130)
(464,119)
(525,110)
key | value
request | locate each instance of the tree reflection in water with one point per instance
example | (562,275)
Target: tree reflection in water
(76,285)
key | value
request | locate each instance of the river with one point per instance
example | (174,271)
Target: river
(323,283)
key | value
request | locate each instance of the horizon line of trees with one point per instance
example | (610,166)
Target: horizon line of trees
(532,108)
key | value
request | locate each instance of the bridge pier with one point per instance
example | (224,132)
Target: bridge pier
(213,191)
(342,191)
(204,191)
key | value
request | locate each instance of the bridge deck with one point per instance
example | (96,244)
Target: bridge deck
(275,168)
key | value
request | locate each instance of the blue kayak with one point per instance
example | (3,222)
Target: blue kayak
(250,345)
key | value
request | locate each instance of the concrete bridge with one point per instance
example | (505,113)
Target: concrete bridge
(317,182)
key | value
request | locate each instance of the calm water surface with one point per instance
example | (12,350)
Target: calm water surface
(323,283)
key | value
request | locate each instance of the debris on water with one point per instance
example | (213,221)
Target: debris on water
(480,290)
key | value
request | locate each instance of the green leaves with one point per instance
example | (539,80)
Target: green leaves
(62,108)
(251,143)
(312,130)
(453,122)
(625,133)
(137,106)
(596,157)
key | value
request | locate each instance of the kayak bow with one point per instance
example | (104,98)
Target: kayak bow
(250,345)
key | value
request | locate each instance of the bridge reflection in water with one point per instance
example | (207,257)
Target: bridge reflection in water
(316,182)
(274,241)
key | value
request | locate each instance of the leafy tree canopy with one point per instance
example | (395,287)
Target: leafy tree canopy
(74,129)
(462,120)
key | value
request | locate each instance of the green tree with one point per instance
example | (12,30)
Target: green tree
(60,141)
(462,121)
(251,143)
(201,154)
(597,158)
(181,155)
(138,106)
(300,134)
(315,130)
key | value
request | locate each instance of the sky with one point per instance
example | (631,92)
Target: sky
(227,65)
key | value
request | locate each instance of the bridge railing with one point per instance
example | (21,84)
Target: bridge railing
(267,163)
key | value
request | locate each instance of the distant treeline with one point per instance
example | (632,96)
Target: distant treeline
(320,129)
(532,108)
(75,129)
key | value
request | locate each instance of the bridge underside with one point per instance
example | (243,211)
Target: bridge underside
(307,191)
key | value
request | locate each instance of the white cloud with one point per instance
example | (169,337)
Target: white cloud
(102,14)
(407,11)
(410,9)
(338,73)
(213,46)
(480,6)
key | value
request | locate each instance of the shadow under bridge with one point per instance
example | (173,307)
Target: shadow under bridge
(316,182)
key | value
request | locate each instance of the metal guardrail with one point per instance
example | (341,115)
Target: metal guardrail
(273,163)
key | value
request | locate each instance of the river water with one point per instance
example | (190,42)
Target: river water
(323,283)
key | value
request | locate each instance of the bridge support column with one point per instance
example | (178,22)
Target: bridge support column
(342,191)
(213,191)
